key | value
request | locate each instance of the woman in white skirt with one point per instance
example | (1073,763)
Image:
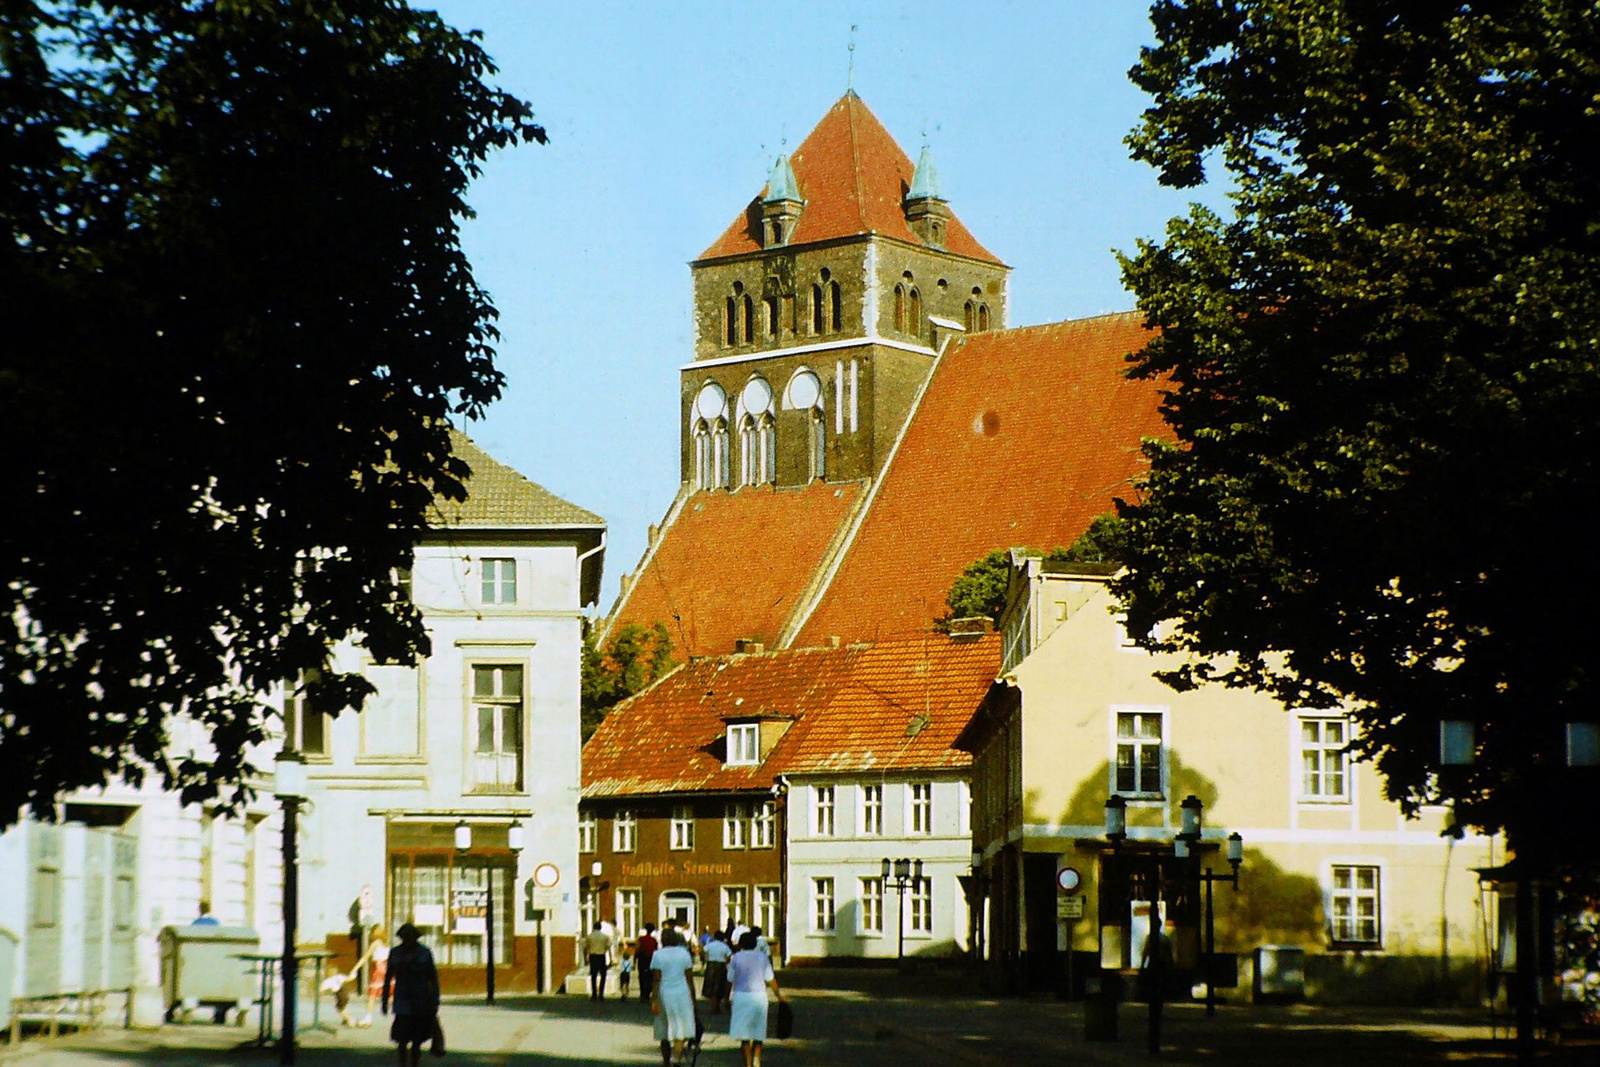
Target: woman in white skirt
(672,999)
(750,974)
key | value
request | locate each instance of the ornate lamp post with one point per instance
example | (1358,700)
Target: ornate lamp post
(1181,848)
(906,873)
(464,846)
(289,786)
(1184,845)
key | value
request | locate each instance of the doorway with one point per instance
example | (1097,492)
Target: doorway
(683,908)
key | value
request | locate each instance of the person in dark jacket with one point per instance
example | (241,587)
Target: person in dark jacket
(412,984)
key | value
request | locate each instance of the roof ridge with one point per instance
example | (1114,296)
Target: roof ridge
(855,161)
(674,509)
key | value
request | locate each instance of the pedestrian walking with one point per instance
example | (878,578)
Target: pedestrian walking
(750,973)
(598,947)
(673,999)
(624,970)
(378,965)
(411,984)
(714,986)
(642,952)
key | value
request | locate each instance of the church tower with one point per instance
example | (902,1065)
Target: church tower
(820,310)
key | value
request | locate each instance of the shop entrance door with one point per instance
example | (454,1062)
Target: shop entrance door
(683,908)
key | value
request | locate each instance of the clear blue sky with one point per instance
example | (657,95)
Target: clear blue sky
(664,119)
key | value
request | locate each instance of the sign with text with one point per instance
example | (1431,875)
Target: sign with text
(469,909)
(1069,907)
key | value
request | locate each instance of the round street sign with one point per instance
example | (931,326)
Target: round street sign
(546,874)
(1068,879)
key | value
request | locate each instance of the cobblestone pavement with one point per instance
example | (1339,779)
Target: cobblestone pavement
(856,1020)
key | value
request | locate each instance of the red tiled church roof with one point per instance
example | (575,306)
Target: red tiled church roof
(1022,438)
(853,177)
(896,706)
(732,565)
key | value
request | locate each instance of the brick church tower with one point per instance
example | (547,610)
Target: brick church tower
(820,310)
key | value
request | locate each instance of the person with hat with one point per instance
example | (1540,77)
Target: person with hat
(411,981)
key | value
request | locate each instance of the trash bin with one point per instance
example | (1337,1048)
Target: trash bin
(200,967)
(1280,974)
(1100,1009)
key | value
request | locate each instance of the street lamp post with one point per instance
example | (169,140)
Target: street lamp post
(906,873)
(1184,845)
(289,786)
(464,846)
(1181,848)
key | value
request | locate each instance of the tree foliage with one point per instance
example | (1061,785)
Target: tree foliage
(980,590)
(1383,375)
(634,658)
(238,317)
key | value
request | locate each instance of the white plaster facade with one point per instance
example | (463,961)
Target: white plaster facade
(85,900)
(850,859)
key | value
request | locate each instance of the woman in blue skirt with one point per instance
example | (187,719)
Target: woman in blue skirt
(750,974)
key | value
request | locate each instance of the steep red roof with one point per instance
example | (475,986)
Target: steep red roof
(893,706)
(732,565)
(853,177)
(1022,438)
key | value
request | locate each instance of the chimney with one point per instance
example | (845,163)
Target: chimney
(833,640)
(971,627)
(748,646)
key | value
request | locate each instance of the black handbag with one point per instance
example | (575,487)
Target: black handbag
(785,1019)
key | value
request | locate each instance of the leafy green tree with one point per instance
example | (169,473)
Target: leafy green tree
(1383,379)
(633,659)
(238,318)
(980,590)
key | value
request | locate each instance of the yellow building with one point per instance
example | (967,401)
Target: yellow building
(1385,908)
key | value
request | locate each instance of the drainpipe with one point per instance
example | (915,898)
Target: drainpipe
(585,555)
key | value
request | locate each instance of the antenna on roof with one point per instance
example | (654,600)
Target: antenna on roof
(850,71)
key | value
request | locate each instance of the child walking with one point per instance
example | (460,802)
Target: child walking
(625,969)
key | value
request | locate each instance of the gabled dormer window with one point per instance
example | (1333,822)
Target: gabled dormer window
(744,744)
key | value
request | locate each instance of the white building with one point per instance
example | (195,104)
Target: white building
(484,731)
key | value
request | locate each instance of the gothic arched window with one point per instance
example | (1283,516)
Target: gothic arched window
(972,317)
(749,319)
(757,434)
(816,309)
(804,393)
(983,317)
(709,428)
(817,446)
(772,316)
(899,307)
(730,322)
(916,311)
(838,305)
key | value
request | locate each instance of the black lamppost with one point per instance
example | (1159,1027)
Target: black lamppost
(1181,848)
(906,873)
(289,786)
(1184,843)
(463,846)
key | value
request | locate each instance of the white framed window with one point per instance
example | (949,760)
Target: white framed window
(499,581)
(587,835)
(305,730)
(919,901)
(1324,758)
(822,905)
(871,822)
(822,811)
(919,800)
(871,915)
(630,912)
(736,826)
(589,910)
(681,828)
(496,726)
(744,744)
(769,905)
(1139,768)
(764,828)
(624,831)
(1354,912)
(735,905)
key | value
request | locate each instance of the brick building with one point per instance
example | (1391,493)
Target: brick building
(857,425)
(701,796)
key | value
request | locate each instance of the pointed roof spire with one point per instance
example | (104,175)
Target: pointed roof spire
(856,181)
(925,181)
(781,184)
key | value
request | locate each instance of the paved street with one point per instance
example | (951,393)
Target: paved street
(860,1019)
